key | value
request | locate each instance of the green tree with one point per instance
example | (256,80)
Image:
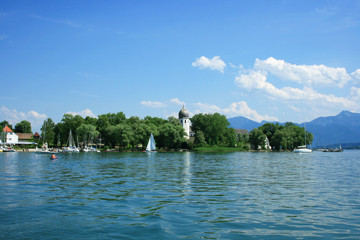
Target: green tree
(23,127)
(91,121)
(155,120)
(86,133)
(257,139)
(199,139)
(215,128)
(121,135)
(72,122)
(230,137)
(287,137)
(5,123)
(171,136)
(48,132)
(269,130)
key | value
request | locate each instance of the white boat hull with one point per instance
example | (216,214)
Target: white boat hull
(304,150)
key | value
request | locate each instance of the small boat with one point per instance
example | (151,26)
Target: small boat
(53,157)
(90,149)
(302,149)
(151,146)
(8,149)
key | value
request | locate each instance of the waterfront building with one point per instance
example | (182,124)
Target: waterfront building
(185,121)
(8,136)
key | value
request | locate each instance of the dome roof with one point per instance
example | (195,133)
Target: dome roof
(184,113)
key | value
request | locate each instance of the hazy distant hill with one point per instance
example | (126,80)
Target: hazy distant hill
(243,123)
(340,129)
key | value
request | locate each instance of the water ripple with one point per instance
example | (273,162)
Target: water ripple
(180,196)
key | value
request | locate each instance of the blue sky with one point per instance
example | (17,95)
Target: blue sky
(264,60)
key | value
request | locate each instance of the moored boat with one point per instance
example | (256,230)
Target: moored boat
(302,149)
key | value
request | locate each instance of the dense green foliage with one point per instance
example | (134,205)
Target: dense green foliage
(23,127)
(257,139)
(5,123)
(114,129)
(212,130)
(48,132)
(280,137)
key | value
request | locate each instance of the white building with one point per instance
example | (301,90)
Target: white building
(185,121)
(8,136)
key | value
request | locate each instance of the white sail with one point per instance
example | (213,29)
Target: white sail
(72,147)
(151,146)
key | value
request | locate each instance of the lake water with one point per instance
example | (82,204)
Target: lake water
(241,195)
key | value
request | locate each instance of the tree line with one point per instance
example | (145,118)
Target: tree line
(208,130)
(114,129)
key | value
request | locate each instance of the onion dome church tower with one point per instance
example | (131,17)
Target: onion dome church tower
(185,121)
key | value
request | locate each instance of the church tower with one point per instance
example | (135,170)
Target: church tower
(185,121)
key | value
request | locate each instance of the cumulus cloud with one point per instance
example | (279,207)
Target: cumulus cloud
(84,113)
(356,74)
(235,109)
(304,74)
(177,101)
(14,116)
(214,64)
(257,78)
(153,104)
(206,108)
(355,93)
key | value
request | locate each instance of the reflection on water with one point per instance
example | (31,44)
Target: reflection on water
(180,195)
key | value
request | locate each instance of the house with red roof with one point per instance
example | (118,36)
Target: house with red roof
(8,136)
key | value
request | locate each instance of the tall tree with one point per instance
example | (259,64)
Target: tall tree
(215,128)
(86,133)
(257,139)
(48,131)
(170,136)
(23,127)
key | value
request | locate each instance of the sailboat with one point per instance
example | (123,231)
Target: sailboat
(71,148)
(303,149)
(151,146)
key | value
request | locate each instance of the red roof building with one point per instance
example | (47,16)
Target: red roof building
(7,129)
(37,136)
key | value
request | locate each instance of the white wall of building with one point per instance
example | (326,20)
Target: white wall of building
(11,138)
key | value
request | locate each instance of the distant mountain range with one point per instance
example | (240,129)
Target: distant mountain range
(343,128)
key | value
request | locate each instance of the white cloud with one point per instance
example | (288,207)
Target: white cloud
(308,75)
(206,108)
(257,78)
(177,101)
(13,116)
(153,104)
(235,109)
(356,74)
(3,37)
(355,93)
(214,64)
(242,109)
(84,113)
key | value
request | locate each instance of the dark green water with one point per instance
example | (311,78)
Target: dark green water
(180,196)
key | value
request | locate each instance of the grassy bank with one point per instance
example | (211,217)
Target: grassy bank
(218,149)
